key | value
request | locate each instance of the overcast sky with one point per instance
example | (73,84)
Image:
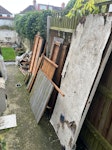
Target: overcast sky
(15,6)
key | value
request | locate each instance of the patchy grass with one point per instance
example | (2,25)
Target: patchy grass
(2,143)
(8,54)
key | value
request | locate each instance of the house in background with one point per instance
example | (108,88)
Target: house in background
(6,17)
(7,33)
(39,7)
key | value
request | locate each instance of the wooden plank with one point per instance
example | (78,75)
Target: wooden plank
(55,52)
(55,86)
(39,50)
(56,39)
(49,67)
(8,121)
(57,76)
(40,95)
(32,78)
(36,64)
(34,51)
(62,29)
(51,62)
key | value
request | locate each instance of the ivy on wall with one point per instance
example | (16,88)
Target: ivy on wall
(29,24)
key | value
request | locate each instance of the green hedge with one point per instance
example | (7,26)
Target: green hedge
(29,24)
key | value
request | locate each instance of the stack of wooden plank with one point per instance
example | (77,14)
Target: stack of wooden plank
(45,75)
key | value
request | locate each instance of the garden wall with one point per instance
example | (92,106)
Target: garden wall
(6,22)
(8,36)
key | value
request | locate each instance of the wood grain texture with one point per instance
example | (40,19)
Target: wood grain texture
(40,94)
(34,51)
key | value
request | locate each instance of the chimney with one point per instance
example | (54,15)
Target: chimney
(63,5)
(34,3)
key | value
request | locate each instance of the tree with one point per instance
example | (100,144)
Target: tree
(69,7)
(84,7)
(29,24)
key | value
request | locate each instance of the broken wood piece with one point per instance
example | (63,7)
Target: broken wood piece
(55,86)
(36,41)
(8,121)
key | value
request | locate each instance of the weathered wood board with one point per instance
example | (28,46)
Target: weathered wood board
(79,73)
(34,51)
(8,121)
(35,63)
(40,94)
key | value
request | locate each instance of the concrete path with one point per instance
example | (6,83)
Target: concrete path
(27,135)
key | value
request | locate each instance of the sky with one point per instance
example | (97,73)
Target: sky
(15,6)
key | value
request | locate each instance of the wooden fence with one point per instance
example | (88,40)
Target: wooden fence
(62,23)
(97,129)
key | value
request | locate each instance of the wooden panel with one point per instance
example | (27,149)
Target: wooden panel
(49,67)
(33,76)
(36,64)
(100,113)
(39,50)
(40,95)
(57,77)
(98,141)
(55,51)
(34,51)
(54,40)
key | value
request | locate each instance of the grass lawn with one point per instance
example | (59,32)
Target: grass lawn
(8,53)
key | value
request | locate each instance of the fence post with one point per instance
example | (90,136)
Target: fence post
(48,30)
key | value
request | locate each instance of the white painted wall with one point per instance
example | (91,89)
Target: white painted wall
(7,22)
(8,36)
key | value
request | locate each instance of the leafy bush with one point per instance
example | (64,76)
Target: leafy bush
(30,23)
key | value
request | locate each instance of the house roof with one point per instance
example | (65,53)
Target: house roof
(56,8)
(29,8)
(4,11)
